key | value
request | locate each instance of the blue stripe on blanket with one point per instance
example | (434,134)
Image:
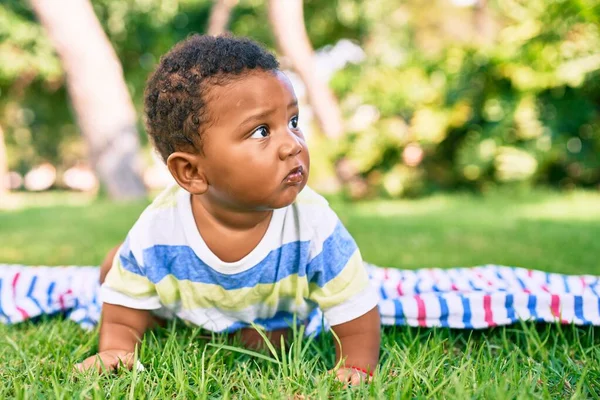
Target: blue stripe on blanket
(531,303)
(459,296)
(466,313)
(30,292)
(566,282)
(509,305)
(8,320)
(399,312)
(578,300)
(50,291)
(443,312)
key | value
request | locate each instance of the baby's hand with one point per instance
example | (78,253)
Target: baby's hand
(108,360)
(352,376)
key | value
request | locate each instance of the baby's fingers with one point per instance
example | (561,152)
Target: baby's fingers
(93,363)
(103,362)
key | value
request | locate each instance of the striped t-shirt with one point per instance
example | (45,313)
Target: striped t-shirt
(306,259)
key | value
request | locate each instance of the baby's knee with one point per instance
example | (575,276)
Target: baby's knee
(107,263)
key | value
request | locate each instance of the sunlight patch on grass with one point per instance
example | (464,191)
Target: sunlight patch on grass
(21,200)
(582,207)
(392,208)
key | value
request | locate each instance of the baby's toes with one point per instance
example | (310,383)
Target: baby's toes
(357,378)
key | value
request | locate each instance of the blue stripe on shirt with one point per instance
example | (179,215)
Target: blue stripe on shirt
(184,264)
(337,250)
(291,258)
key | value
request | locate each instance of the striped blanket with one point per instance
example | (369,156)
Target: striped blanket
(464,298)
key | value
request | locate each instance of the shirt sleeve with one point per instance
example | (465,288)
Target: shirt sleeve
(338,281)
(126,283)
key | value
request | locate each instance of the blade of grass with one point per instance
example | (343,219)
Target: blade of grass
(244,351)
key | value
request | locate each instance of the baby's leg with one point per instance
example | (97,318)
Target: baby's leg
(251,339)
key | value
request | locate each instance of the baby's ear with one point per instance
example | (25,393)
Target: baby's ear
(187,170)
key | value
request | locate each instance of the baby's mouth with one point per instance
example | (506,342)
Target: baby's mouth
(295,176)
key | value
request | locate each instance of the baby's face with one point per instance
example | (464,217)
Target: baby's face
(255,154)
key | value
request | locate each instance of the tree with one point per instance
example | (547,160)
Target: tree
(98,92)
(483,22)
(287,21)
(219,16)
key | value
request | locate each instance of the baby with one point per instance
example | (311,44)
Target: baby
(240,239)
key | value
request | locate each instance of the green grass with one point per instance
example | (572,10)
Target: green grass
(539,230)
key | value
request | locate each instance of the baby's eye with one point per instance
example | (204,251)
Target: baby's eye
(260,133)
(293,124)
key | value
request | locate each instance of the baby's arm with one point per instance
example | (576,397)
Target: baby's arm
(121,329)
(358,346)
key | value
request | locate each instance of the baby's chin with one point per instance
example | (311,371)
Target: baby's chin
(287,197)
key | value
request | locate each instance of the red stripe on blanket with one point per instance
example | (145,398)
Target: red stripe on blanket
(421,312)
(14,287)
(487,308)
(399,289)
(480,276)
(555,306)
(22,312)
(14,283)
(61,299)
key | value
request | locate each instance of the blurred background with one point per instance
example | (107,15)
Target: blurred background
(444,133)
(399,98)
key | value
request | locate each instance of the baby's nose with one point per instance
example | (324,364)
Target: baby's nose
(290,147)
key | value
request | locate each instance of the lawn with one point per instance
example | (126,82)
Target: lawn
(543,230)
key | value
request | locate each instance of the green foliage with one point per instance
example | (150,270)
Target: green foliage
(524,108)
(35,125)
(25,52)
(435,105)
(34,107)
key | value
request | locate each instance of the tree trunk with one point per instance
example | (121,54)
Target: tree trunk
(483,22)
(219,16)
(98,92)
(287,20)
(3,165)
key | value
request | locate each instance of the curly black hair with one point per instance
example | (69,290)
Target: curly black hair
(175,96)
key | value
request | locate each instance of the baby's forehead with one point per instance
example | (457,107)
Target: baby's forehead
(251,89)
(248,78)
